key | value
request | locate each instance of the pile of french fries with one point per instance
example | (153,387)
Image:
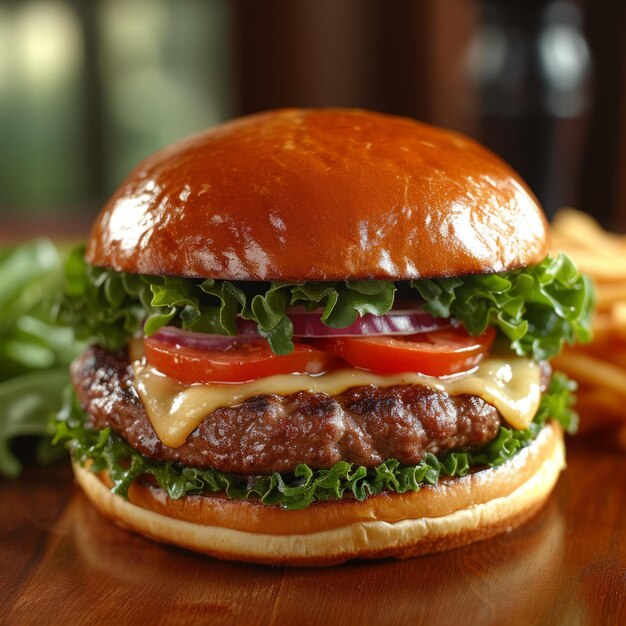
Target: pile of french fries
(600,366)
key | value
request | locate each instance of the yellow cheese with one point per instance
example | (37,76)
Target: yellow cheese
(512,385)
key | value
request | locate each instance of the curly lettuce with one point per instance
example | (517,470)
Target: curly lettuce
(106,451)
(537,308)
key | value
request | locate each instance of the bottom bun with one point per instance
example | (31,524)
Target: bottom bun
(453,513)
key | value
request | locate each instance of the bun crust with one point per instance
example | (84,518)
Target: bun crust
(329,194)
(453,513)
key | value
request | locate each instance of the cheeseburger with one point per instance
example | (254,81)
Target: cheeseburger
(320,335)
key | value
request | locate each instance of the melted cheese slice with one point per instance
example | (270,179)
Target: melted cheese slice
(175,410)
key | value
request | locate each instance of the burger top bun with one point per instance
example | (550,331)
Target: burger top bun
(328,194)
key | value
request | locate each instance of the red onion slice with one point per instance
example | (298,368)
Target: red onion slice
(399,322)
(309,324)
(392,323)
(201,341)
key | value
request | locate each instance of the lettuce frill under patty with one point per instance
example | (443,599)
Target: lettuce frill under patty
(106,451)
(537,308)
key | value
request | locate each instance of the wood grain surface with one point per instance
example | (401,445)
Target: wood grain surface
(61,563)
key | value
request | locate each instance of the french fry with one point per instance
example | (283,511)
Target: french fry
(603,327)
(619,317)
(591,370)
(582,229)
(612,294)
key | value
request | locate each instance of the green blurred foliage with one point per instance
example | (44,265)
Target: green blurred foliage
(34,351)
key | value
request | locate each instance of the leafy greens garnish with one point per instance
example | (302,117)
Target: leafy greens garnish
(34,351)
(538,308)
(107,451)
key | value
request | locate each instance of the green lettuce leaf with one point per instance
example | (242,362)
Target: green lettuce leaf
(537,308)
(26,403)
(34,351)
(106,450)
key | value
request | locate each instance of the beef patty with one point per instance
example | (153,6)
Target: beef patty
(364,425)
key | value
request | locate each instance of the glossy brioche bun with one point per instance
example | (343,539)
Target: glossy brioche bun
(328,194)
(453,513)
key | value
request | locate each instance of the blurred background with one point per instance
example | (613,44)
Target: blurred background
(89,88)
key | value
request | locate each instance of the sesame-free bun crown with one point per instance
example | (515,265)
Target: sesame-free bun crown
(326,194)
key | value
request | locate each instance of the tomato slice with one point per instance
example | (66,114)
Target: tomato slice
(243,360)
(438,353)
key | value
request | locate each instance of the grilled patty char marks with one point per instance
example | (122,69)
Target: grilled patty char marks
(364,425)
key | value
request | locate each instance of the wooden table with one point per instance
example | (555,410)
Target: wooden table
(61,563)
